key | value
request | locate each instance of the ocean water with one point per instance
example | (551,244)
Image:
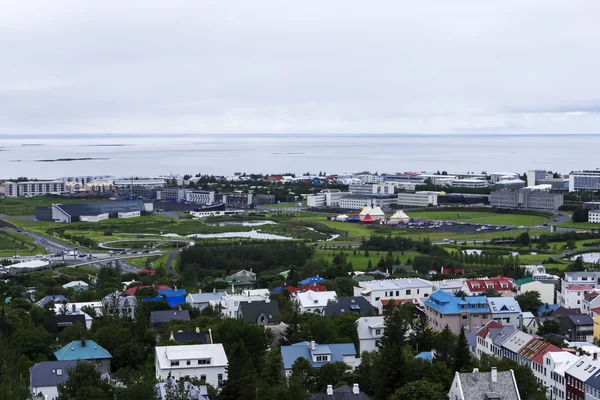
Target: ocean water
(224,154)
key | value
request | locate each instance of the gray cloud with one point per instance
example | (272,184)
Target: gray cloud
(310,66)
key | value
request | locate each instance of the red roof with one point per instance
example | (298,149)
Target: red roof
(580,287)
(485,329)
(275,178)
(539,357)
(367,218)
(307,288)
(455,271)
(495,283)
(131,291)
(147,272)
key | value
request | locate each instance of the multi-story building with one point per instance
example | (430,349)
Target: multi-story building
(500,176)
(205,362)
(370,330)
(171,194)
(326,198)
(443,308)
(509,184)
(584,180)
(470,183)
(534,176)
(34,188)
(578,328)
(526,198)
(505,310)
(576,376)
(485,339)
(592,387)
(199,196)
(230,304)
(555,365)
(594,216)
(545,289)
(418,199)
(574,287)
(368,178)
(356,201)
(440,180)
(500,284)
(512,347)
(393,289)
(314,302)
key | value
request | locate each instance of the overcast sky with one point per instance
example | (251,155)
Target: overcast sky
(199,66)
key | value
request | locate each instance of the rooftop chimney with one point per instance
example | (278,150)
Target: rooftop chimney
(197,330)
(73,308)
(199,291)
(475,370)
(355,389)
(329,390)
(494,374)
(312,344)
(83,341)
(214,290)
(595,355)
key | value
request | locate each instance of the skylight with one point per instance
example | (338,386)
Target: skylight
(579,364)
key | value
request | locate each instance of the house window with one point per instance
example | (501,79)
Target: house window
(220,380)
(465,317)
(378,332)
(203,378)
(407,292)
(174,363)
(397,293)
(188,362)
(322,358)
(204,362)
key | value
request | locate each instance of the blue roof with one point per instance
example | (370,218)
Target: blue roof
(312,279)
(291,353)
(173,293)
(75,351)
(425,355)
(175,301)
(279,289)
(547,308)
(157,298)
(447,303)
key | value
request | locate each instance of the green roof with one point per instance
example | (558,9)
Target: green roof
(363,278)
(75,351)
(523,281)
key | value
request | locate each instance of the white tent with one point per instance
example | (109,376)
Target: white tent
(375,212)
(342,217)
(399,217)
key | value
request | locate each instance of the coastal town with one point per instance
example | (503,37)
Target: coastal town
(363,286)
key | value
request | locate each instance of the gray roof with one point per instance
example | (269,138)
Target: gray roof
(581,319)
(342,393)
(103,207)
(503,335)
(187,337)
(160,317)
(479,386)
(355,304)
(251,311)
(580,274)
(56,298)
(50,373)
(206,297)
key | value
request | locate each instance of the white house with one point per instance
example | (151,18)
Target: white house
(475,385)
(202,300)
(314,302)
(207,362)
(555,365)
(45,377)
(545,289)
(75,285)
(370,330)
(397,289)
(505,310)
(230,304)
(574,286)
(449,285)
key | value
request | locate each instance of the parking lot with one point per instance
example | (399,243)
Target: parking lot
(456,227)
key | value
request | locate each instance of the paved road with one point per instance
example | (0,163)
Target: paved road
(170,262)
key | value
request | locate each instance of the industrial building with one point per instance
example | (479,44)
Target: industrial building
(502,176)
(510,184)
(463,198)
(356,201)
(199,196)
(536,198)
(418,199)
(94,211)
(33,188)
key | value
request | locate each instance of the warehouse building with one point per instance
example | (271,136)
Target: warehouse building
(94,212)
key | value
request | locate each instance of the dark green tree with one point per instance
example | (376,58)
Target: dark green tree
(462,356)
(420,390)
(548,326)
(85,383)
(529,301)
(241,380)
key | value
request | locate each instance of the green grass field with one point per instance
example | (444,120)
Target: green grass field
(13,243)
(579,225)
(480,217)
(27,205)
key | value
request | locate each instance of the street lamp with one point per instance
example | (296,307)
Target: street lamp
(75,254)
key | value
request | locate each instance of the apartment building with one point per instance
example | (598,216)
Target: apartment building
(545,289)
(578,374)
(357,201)
(526,198)
(470,313)
(418,199)
(500,284)
(326,198)
(370,330)
(555,364)
(594,216)
(393,289)
(200,196)
(584,180)
(574,287)
(34,188)
(470,183)
(505,310)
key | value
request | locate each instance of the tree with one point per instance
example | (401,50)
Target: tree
(241,375)
(492,293)
(548,326)
(85,383)
(302,377)
(580,215)
(577,265)
(445,343)
(334,373)
(421,336)
(272,373)
(523,239)
(529,301)
(462,355)
(420,390)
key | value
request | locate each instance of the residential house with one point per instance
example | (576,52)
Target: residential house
(239,281)
(592,387)
(125,304)
(313,280)
(344,392)
(532,356)
(355,304)
(578,327)
(525,319)
(397,289)
(573,288)
(512,347)
(547,308)
(45,377)
(56,323)
(597,326)
(497,385)
(76,309)
(591,301)
(443,308)
(505,310)
(158,318)
(292,290)
(85,350)
(77,286)
(577,374)
(174,297)
(195,337)
(314,302)
(202,300)
(192,391)
(133,290)
(502,285)
(370,330)
(500,338)
(484,338)
(206,362)
(53,298)
(448,285)
(318,354)
(555,364)
(263,313)
(230,304)
(544,288)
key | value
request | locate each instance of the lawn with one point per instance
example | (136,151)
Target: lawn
(480,217)
(359,261)
(27,205)
(579,225)
(12,243)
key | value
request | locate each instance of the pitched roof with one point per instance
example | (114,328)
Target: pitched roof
(356,304)
(337,351)
(447,303)
(585,367)
(312,279)
(251,311)
(342,393)
(206,297)
(495,283)
(187,337)
(315,299)
(216,353)
(364,325)
(55,298)
(50,373)
(131,291)
(172,292)
(503,335)
(306,288)
(523,281)
(483,331)
(55,323)
(547,308)
(479,385)
(82,350)
(581,319)
(499,305)
(160,317)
